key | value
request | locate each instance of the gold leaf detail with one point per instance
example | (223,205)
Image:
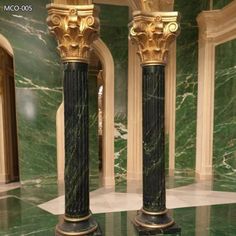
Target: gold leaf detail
(75,28)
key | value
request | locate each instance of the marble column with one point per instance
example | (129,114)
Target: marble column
(75,28)
(153,32)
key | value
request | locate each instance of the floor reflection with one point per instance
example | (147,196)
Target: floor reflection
(194,204)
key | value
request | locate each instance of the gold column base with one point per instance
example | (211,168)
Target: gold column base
(77,227)
(154,220)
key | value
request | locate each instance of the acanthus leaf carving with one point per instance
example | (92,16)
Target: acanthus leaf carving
(153,33)
(75,28)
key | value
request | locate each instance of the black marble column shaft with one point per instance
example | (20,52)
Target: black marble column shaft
(153,138)
(153,218)
(76,139)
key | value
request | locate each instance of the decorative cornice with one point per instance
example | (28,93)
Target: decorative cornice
(75,28)
(153,32)
(218,25)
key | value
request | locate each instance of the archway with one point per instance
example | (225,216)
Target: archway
(9,164)
(107,76)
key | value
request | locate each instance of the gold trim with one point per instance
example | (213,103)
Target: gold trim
(153,63)
(152,226)
(75,27)
(154,213)
(69,219)
(75,233)
(64,60)
(153,32)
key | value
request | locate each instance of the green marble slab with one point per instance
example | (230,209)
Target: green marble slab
(224,138)
(20,218)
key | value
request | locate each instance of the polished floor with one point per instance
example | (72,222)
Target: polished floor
(201,208)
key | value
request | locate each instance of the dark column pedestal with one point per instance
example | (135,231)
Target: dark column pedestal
(78,219)
(153,218)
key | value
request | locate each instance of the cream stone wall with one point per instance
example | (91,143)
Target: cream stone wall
(134,142)
(2,152)
(3,174)
(215,27)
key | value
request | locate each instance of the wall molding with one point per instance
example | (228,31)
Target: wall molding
(215,27)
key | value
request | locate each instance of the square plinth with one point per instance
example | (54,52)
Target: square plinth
(172,230)
(98,232)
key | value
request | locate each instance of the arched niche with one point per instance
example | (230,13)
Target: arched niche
(4,43)
(215,27)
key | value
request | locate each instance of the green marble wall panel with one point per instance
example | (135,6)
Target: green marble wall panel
(36,112)
(186,80)
(120,149)
(38,87)
(220,4)
(224,139)
(114,32)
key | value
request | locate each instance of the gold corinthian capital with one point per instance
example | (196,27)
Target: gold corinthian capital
(153,32)
(75,28)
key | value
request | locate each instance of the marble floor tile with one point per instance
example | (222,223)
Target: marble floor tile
(106,200)
(18,218)
(7,187)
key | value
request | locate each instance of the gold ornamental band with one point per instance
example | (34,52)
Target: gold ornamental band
(74,59)
(154,213)
(153,63)
(86,232)
(154,226)
(69,219)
